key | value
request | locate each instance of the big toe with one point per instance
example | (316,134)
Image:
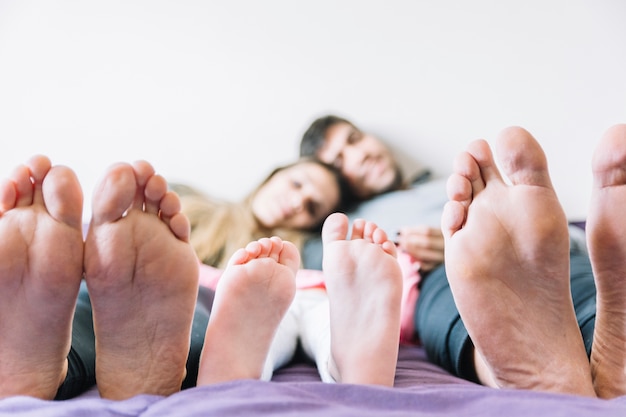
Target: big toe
(114,194)
(521,157)
(63,196)
(290,256)
(609,157)
(335,228)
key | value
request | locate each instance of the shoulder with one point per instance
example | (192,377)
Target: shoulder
(420,204)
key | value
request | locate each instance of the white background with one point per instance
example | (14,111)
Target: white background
(216,93)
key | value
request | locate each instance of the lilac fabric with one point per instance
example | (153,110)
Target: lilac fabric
(422,389)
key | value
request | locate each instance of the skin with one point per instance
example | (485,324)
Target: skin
(137,242)
(424,243)
(606,240)
(40,271)
(523,291)
(364,285)
(251,299)
(363,159)
(298,197)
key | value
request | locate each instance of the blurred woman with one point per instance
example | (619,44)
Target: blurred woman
(291,203)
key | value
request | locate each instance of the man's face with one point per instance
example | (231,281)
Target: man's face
(363,159)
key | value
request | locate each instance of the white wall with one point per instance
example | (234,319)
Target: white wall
(215,93)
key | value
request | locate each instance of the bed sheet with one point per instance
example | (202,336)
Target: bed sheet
(421,389)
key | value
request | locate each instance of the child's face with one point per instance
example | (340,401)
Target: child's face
(364,160)
(298,197)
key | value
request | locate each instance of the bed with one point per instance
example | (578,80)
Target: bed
(421,389)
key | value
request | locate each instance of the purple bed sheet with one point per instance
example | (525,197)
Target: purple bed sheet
(421,389)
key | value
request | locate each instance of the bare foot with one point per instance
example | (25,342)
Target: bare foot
(607,249)
(508,265)
(251,298)
(41,254)
(364,284)
(142,277)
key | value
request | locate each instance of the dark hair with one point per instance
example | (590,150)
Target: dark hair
(313,140)
(347,198)
(315,136)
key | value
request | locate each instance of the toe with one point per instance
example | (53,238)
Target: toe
(114,194)
(522,158)
(63,196)
(155,190)
(609,158)
(8,195)
(335,228)
(452,218)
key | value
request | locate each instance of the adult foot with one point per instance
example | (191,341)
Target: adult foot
(506,256)
(41,254)
(607,250)
(364,284)
(251,298)
(142,277)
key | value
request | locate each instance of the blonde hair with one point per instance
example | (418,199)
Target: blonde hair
(219,228)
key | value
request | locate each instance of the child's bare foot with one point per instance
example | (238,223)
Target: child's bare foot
(251,299)
(142,277)
(41,257)
(364,284)
(607,249)
(508,266)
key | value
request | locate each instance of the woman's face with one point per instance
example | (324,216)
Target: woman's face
(298,197)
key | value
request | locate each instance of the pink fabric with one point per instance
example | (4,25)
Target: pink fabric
(305,278)
(209,276)
(410,280)
(310,278)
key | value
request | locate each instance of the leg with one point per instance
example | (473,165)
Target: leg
(41,253)
(507,259)
(607,249)
(285,341)
(445,338)
(81,366)
(201,316)
(440,329)
(251,299)
(315,330)
(364,285)
(142,277)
